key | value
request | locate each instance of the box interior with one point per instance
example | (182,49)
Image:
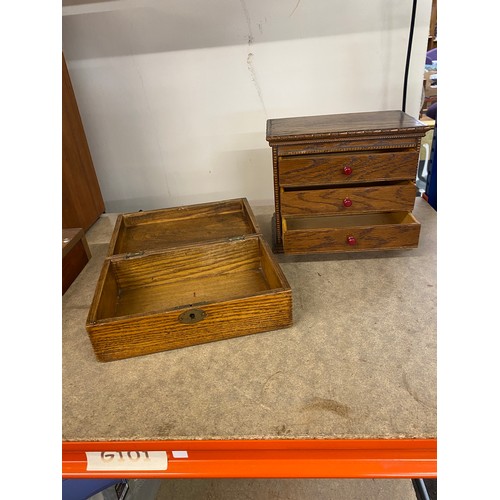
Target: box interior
(341,221)
(157,230)
(185,277)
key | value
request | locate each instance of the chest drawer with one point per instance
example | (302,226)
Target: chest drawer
(350,233)
(349,200)
(311,170)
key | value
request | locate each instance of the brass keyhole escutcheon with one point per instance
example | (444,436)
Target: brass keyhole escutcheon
(192,316)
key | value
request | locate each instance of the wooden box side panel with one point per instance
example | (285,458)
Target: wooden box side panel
(271,269)
(250,217)
(181,263)
(105,295)
(117,235)
(184,212)
(127,338)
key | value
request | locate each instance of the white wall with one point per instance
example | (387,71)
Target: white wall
(174,95)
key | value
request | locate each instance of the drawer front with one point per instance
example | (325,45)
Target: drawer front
(340,145)
(350,233)
(349,200)
(310,170)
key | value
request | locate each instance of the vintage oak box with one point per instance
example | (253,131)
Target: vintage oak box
(183,276)
(346,182)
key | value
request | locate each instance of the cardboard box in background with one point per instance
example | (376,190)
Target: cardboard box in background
(429,90)
(430,83)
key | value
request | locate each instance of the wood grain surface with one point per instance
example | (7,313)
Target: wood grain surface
(82,202)
(339,145)
(310,170)
(371,232)
(170,227)
(366,123)
(75,255)
(138,300)
(146,334)
(395,197)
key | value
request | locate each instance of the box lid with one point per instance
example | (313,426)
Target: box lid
(136,233)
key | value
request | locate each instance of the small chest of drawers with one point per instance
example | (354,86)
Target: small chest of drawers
(345,182)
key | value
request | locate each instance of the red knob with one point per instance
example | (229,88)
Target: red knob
(347,170)
(347,202)
(351,240)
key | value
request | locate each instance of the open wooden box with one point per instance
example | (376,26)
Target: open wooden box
(183,276)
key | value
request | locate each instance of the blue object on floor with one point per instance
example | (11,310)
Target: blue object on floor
(81,489)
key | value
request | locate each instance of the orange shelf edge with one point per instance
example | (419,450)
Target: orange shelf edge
(310,458)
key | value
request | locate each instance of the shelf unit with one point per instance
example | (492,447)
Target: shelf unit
(310,458)
(242,445)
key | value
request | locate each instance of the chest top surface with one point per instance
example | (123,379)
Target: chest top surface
(343,124)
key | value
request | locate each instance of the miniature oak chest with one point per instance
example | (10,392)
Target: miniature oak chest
(345,182)
(182,276)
